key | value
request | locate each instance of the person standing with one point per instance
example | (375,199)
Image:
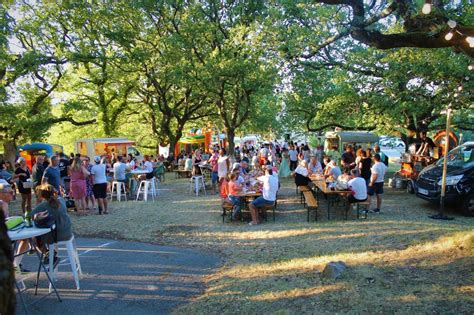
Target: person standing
(377,180)
(37,171)
(22,173)
(214,175)
(78,188)
(52,175)
(284,169)
(348,158)
(90,199)
(364,166)
(223,166)
(63,169)
(196,160)
(293,154)
(427,145)
(99,179)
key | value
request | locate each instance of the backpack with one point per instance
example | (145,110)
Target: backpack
(384,158)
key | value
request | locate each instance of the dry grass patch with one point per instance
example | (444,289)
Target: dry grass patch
(398,262)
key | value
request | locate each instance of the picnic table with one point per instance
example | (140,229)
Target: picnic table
(331,194)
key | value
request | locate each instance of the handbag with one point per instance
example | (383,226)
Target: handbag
(44,219)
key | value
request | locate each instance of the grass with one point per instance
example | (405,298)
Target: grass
(398,262)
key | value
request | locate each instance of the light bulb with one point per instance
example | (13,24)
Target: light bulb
(470,40)
(470,67)
(426,8)
(452,24)
(448,36)
(459,88)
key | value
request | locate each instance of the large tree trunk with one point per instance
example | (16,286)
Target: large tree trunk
(230,138)
(7,275)
(9,149)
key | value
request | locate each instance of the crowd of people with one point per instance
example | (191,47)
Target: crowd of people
(76,178)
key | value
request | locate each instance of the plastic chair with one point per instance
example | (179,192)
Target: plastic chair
(119,188)
(196,181)
(146,187)
(72,258)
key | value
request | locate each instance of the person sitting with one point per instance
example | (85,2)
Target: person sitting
(148,167)
(331,171)
(6,196)
(314,166)
(56,207)
(268,197)
(120,170)
(188,164)
(234,188)
(301,174)
(358,188)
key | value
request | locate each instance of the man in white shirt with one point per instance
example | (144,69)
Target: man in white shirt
(376,181)
(358,187)
(293,154)
(99,179)
(120,170)
(268,197)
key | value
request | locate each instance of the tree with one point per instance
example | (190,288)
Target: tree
(29,76)
(237,71)
(368,21)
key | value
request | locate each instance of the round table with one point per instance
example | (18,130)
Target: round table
(27,232)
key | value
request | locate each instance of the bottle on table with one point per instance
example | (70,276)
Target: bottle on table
(28,222)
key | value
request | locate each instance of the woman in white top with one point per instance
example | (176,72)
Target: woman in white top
(223,166)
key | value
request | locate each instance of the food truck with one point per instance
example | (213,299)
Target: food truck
(338,139)
(31,150)
(106,146)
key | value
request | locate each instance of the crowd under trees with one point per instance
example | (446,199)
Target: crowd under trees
(151,70)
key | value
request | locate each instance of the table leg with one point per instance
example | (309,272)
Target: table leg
(41,264)
(21,297)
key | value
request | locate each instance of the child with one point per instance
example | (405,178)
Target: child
(234,188)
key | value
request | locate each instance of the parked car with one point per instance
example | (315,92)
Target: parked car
(459,179)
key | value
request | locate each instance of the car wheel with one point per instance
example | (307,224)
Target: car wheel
(467,205)
(410,187)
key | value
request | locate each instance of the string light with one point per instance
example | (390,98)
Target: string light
(426,7)
(448,36)
(470,40)
(452,24)
(470,67)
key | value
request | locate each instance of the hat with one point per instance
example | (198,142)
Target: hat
(97,159)
(235,166)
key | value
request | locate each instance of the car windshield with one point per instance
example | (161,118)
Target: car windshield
(462,156)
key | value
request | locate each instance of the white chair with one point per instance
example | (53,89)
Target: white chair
(196,181)
(146,187)
(72,259)
(118,190)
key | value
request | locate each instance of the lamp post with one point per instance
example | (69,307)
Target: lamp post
(442,198)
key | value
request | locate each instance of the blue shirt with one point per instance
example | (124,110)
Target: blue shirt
(52,174)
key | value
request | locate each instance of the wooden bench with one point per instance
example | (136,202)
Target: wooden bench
(366,205)
(264,210)
(302,189)
(183,174)
(311,203)
(226,206)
